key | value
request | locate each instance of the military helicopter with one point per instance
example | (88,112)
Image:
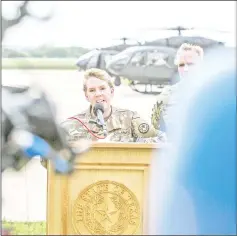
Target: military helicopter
(141,64)
(153,62)
(98,58)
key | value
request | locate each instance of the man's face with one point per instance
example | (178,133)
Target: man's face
(98,91)
(187,60)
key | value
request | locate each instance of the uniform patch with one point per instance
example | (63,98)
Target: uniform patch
(143,128)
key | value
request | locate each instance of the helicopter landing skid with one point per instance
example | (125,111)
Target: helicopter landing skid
(133,86)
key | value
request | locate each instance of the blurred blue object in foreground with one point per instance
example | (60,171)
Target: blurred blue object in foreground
(196,188)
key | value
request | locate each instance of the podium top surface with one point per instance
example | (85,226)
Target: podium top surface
(115,153)
(128,145)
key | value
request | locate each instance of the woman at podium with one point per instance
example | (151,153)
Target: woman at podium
(115,124)
(102,121)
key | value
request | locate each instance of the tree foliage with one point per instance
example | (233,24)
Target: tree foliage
(43,51)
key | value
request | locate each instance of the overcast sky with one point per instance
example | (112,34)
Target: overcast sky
(95,24)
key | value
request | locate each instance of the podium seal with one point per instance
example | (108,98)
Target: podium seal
(106,208)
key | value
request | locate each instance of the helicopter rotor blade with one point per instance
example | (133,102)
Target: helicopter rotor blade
(181,28)
(212,29)
(169,28)
(124,39)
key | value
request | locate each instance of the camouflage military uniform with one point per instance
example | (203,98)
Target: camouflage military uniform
(164,101)
(122,126)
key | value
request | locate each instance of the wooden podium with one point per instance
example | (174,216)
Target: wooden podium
(105,195)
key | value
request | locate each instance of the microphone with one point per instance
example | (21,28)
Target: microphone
(98,110)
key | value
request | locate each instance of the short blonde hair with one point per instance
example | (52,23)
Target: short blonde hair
(188,47)
(99,74)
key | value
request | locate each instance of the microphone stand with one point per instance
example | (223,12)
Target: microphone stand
(100,123)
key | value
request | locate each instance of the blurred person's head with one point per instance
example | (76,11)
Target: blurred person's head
(187,56)
(193,183)
(98,88)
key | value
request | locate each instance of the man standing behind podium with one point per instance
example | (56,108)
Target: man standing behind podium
(188,55)
(122,125)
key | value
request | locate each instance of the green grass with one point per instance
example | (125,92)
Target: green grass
(44,64)
(25,228)
(39,63)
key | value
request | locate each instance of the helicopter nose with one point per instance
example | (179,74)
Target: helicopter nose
(81,64)
(80,61)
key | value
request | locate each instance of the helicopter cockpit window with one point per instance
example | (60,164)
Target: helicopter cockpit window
(88,55)
(155,58)
(107,58)
(138,59)
(93,61)
(122,60)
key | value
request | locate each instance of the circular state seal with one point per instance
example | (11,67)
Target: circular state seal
(143,128)
(106,208)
